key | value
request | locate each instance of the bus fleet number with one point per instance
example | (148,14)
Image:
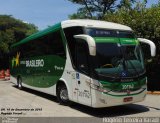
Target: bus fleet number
(124,87)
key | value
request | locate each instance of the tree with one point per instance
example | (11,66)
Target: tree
(98,8)
(144,21)
(11,31)
(127,4)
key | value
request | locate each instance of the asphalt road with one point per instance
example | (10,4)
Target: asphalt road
(29,103)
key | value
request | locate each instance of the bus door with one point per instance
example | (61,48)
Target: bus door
(82,74)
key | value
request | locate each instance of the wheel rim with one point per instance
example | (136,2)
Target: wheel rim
(64,94)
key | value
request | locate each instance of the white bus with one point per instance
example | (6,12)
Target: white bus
(95,63)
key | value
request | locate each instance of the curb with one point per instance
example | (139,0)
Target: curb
(154,92)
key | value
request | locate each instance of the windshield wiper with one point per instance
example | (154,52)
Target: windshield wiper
(123,59)
(127,60)
(134,67)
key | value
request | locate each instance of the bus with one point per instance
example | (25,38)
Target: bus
(91,62)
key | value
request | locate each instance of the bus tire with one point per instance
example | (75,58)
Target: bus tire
(62,94)
(19,83)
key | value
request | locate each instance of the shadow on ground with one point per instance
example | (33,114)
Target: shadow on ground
(114,111)
(97,112)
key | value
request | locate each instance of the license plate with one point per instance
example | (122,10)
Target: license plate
(127,99)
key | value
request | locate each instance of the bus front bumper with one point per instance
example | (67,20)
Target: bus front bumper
(101,99)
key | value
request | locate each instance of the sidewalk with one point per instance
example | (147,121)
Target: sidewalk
(154,92)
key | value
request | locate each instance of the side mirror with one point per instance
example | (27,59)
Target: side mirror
(90,41)
(151,44)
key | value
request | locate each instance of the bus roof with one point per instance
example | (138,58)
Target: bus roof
(38,34)
(78,22)
(94,23)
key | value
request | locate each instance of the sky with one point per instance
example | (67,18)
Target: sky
(42,13)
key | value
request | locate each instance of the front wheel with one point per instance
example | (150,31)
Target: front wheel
(19,83)
(62,95)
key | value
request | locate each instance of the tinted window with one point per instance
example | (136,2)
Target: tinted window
(50,44)
(69,33)
(82,56)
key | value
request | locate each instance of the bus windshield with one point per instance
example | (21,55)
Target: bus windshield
(115,60)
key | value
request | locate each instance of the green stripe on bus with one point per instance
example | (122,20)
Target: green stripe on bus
(123,41)
(119,85)
(123,95)
(40,76)
(106,40)
(39,34)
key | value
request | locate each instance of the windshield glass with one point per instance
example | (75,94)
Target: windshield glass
(118,54)
(115,60)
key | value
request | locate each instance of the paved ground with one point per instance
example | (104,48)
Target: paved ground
(25,103)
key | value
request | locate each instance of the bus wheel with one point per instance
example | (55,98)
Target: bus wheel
(62,95)
(19,83)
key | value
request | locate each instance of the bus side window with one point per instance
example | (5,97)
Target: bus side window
(82,53)
(50,44)
(71,43)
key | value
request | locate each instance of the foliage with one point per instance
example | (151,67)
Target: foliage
(11,31)
(96,9)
